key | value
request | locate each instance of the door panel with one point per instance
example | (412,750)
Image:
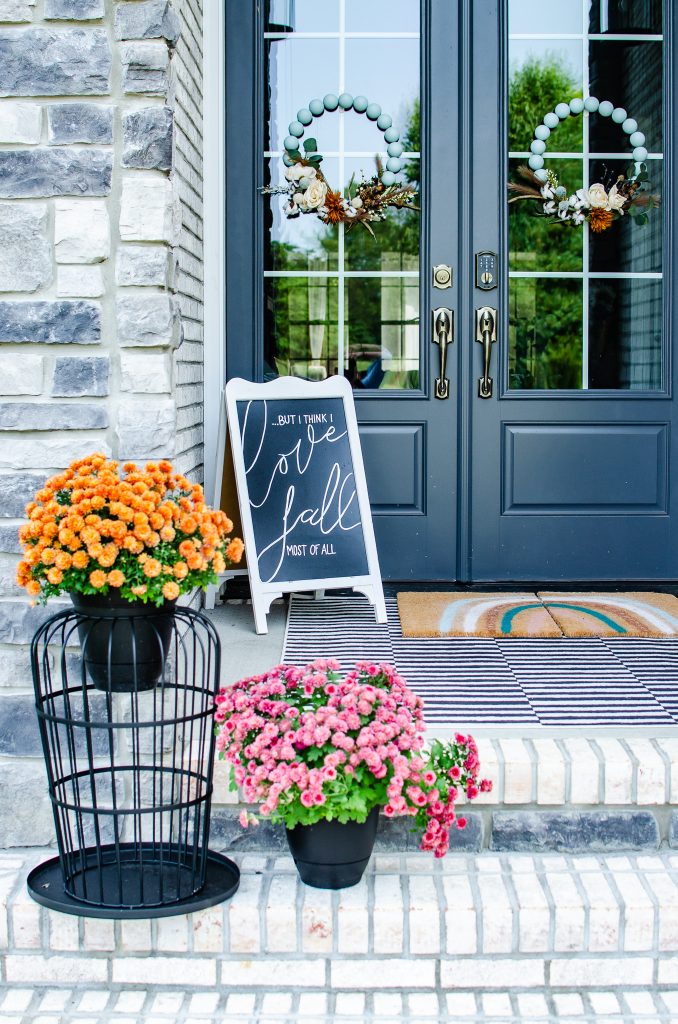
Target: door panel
(572,457)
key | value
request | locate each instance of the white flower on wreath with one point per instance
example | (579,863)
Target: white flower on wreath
(615,201)
(547,192)
(314,196)
(550,207)
(597,197)
(298,171)
(564,209)
(582,198)
(578,217)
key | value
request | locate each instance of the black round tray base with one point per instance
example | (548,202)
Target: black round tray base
(46,886)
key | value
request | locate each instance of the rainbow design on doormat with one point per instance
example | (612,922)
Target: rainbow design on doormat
(631,614)
(542,614)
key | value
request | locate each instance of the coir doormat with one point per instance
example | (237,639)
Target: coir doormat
(542,614)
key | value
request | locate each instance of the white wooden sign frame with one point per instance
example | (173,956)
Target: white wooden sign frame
(263,594)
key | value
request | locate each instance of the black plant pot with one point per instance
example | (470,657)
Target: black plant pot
(124,643)
(329,855)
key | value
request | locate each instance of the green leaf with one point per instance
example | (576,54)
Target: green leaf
(310,146)
(316,158)
(641,218)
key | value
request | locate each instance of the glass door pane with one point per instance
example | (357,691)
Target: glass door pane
(343,298)
(585,235)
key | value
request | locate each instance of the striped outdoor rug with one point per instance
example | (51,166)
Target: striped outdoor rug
(550,682)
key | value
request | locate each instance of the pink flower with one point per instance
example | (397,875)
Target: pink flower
(244,819)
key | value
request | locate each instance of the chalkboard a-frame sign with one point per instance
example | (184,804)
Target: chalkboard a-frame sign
(303,499)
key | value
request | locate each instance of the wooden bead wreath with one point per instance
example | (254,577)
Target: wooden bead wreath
(602,203)
(366,200)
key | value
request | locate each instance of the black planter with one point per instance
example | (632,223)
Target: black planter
(329,855)
(124,643)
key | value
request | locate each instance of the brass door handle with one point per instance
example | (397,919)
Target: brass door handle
(443,335)
(486,334)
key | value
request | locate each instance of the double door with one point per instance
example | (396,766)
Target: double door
(512,369)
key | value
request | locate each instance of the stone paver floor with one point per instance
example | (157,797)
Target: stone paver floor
(97,1006)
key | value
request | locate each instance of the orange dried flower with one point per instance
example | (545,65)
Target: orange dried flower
(171,590)
(97,578)
(55,575)
(152,568)
(180,570)
(63,560)
(599,219)
(116,578)
(80,560)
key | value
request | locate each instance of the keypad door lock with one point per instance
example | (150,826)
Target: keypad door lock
(442,276)
(486,271)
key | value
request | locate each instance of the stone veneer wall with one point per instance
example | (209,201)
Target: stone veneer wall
(101,282)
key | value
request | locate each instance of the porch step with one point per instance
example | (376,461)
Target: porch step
(558,793)
(502,937)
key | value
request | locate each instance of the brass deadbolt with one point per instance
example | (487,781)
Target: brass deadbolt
(442,276)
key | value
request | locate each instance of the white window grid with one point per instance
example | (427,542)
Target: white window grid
(341,274)
(585,275)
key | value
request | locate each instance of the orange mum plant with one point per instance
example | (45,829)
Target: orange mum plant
(144,534)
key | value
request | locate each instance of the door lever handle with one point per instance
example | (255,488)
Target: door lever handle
(486,335)
(443,335)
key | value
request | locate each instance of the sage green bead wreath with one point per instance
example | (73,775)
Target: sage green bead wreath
(602,203)
(366,200)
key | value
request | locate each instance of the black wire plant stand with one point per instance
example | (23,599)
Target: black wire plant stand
(129,743)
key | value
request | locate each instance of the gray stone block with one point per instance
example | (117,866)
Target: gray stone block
(673,830)
(31,173)
(25,809)
(145,320)
(25,253)
(142,265)
(574,831)
(147,137)
(65,322)
(20,735)
(15,668)
(79,122)
(9,540)
(16,490)
(54,62)
(52,416)
(394,836)
(144,68)
(151,19)
(74,10)
(226,833)
(76,377)
(19,620)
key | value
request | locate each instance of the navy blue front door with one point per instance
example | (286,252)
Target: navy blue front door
(561,469)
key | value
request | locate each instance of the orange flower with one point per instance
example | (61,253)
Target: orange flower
(95,551)
(142,532)
(157,520)
(63,560)
(195,561)
(140,589)
(55,575)
(33,587)
(188,524)
(171,590)
(90,536)
(80,560)
(152,568)
(168,533)
(599,219)
(180,570)
(186,548)
(218,563)
(153,539)
(116,578)
(49,556)
(130,543)
(235,549)
(97,578)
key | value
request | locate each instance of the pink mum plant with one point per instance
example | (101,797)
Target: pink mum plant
(308,744)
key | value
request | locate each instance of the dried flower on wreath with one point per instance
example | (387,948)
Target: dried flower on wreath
(599,205)
(366,201)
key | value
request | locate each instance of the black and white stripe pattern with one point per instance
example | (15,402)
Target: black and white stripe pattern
(552,682)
